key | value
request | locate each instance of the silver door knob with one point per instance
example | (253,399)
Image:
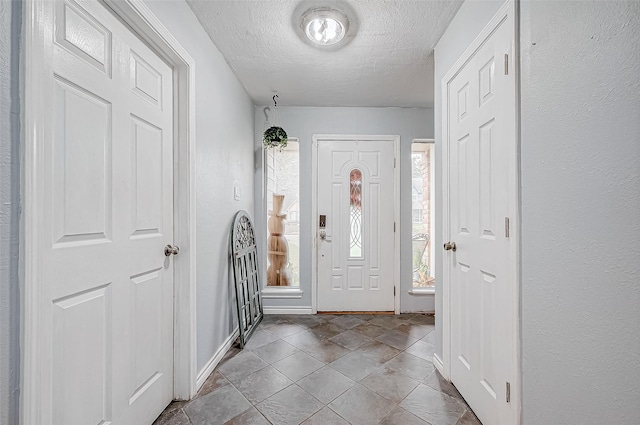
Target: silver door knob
(171,250)
(324,237)
(450,246)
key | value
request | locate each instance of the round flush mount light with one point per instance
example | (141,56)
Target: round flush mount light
(325,26)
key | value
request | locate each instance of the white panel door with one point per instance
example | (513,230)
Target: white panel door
(356,257)
(108,197)
(481,145)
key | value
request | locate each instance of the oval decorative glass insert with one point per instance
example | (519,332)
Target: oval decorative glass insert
(355,216)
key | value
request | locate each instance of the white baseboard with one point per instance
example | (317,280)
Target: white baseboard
(213,361)
(287,310)
(439,365)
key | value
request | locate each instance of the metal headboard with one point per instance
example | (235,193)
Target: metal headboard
(246,275)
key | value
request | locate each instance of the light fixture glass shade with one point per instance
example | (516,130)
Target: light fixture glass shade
(325,26)
(325,31)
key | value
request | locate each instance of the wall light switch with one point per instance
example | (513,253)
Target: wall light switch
(236,192)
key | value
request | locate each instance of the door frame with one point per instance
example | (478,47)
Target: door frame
(508,10)
(316,138)
(149,28)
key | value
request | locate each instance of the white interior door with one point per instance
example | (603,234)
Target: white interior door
(482,142)
(107,311)
(356,250)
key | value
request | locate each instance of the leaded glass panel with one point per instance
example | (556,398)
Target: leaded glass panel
(355,216)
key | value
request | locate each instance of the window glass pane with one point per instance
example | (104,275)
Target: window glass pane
(283,177)
(355,186)
(422,195)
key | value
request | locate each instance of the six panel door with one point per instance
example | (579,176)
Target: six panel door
(482,136)
(108,196)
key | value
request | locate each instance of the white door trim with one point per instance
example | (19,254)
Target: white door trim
(507,10)
(314,208)
(137,15)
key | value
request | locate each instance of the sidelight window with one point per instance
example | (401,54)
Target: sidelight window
(422,206)
(282,169)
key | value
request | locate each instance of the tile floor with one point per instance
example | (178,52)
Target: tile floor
(328,370)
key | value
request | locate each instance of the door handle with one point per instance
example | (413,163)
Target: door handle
(450,246)
(324,237)
(171,250)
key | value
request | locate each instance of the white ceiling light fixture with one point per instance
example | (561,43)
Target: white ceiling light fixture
(325,26)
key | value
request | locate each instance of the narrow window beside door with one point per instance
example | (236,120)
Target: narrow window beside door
(283,177)
(422,196)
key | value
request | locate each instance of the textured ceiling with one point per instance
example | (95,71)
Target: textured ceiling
(388,62)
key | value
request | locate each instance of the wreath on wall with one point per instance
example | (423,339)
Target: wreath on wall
(274,136)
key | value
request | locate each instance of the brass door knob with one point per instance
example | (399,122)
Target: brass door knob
(450,246)
(171,250)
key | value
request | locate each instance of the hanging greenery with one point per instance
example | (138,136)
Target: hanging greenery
(275,137)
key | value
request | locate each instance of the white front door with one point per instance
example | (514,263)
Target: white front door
(356,250)
(107,214)
(482,143)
